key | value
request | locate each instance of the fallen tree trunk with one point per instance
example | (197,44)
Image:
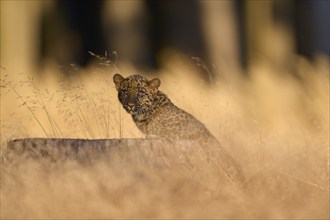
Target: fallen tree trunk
(79,149)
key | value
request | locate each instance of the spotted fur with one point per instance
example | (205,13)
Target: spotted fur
(156,116)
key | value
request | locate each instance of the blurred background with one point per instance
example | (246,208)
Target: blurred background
(256,73)
(234,35)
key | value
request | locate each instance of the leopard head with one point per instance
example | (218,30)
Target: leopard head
(136,93)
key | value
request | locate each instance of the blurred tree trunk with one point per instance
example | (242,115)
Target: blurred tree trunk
(258,19)
(221,31)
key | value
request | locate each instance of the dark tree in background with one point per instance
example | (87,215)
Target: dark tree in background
(74,27)
(312,27)
(177,24)
(172,24)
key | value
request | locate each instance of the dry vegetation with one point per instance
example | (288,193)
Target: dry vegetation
(275,123)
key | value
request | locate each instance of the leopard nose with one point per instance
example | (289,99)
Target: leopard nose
(131,105)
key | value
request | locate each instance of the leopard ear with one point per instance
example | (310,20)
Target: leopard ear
(154,83)
(117,79)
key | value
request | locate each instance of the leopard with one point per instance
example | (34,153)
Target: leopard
(156,116)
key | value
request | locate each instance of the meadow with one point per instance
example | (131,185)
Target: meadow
(273,121)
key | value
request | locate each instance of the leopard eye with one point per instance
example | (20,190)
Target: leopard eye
(141,93)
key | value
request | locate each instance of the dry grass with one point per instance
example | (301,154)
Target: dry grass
(274,123)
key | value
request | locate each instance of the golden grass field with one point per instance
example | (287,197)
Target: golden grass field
(275,124)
